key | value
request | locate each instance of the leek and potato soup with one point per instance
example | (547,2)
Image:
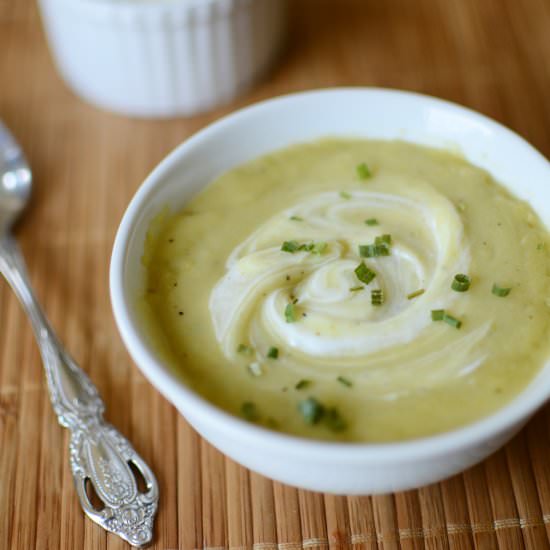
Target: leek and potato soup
(352,290)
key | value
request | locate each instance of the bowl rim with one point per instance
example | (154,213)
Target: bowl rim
(176,390)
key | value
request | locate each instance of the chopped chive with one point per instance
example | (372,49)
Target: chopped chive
(334,420)
(374,250)
(376,297)
(363,171)
(541,246)
(345,381)
(296,218)
(319,248)
(372,221)
(273,353)
(290,313)
(383,239)
(500,291)
(364,274)
(345,195)
(381,247)
(311,410)
(356,288)
(416,293)
(453,321)
(255,369)
(295,246)
(438,314)
(250,411)
(243,348)
(303,384)
(442,315)
(461,282)
(290,246)
(367,250)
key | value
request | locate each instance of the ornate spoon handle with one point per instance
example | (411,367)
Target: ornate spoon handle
(99,454)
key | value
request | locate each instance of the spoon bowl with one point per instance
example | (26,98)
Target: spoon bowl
(15,180)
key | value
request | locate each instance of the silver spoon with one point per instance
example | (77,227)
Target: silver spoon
(102,460)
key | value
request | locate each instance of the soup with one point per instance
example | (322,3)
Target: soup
(352,290)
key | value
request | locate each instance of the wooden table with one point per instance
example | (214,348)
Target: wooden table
(491,55)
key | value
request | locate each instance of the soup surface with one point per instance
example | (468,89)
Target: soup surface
(352,290)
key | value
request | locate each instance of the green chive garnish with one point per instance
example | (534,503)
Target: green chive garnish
(363,171)
(290,313)
(311,410)
(273,353)
(319,248)
(386,239)
(500,291)
(381,247)
(295,246)
(438,314)
(303,384)
(453,321)
(345,381)
(415,294)
(290,246)
(376,297)
(296,218)
(372,221)
(366,250)
(356,288)
(364,274)
(461,282)
(243,348)
(345,195)
(249,411)
(374,250)
(334,420)
(442,315)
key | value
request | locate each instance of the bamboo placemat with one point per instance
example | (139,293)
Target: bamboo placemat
(492,55)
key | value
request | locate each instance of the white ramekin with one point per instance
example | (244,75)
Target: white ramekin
(373,113)
(160,58)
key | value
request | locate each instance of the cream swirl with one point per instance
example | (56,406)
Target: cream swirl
(338,327)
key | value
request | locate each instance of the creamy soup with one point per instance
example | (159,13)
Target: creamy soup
(352,290)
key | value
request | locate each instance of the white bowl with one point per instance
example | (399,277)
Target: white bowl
(159,58)
(371,113)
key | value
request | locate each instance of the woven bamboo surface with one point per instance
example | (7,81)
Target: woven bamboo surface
(491,55)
